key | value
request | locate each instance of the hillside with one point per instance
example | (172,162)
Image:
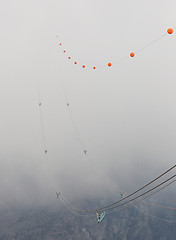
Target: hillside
(49,223)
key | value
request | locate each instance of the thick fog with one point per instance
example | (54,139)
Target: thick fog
(124,115)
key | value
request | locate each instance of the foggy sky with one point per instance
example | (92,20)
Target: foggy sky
(125,115)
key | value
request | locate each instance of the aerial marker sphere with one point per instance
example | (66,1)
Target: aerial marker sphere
(132,54)
(94,67)
(170,30)
(69,57)
(83,66)
(60,44)
(75,62)
(64,51)
(109,64)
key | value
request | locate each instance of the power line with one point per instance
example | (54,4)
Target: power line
(103,209)
(161,175)
(109,207)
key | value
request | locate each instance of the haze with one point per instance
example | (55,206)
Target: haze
(125,115)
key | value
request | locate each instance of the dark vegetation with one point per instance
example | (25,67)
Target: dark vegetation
(49,223)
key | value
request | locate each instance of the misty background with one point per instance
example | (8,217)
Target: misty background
(125,115)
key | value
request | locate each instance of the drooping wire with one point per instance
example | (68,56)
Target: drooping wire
(73,210)
(151,43)
(144,198)
(131,55)
(130,204)
(166,220)
(42,123)
(146,185)
(161,206)
(110,208)
(72,119)
(75,129)
(153,216)
(44,144)
(70,205)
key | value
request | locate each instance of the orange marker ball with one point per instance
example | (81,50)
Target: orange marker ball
(69,57)
(83,66)
(170,30)
(94,67)
(75,62)
(64,51)
(109,64)
(132,54)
